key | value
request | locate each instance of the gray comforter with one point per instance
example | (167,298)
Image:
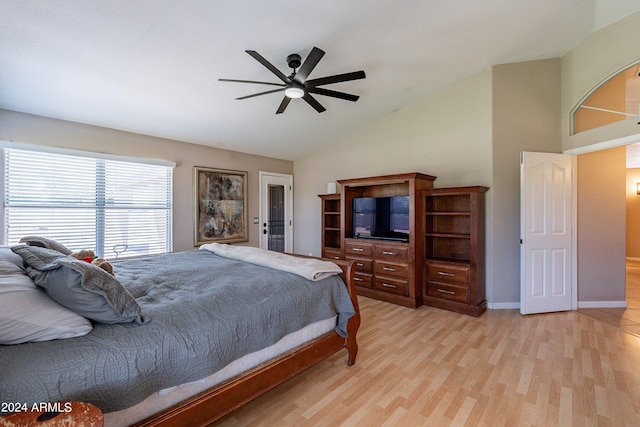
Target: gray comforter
(205,312)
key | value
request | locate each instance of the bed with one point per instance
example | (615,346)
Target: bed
(185,300)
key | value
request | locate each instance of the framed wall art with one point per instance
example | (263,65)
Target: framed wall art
(220,205)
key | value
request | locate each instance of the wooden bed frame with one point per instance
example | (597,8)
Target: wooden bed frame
(213,404)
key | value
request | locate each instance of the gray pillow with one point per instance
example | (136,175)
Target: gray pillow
(80,286)
(43,242)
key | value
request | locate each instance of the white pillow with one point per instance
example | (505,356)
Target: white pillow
(8,255)
(27,314)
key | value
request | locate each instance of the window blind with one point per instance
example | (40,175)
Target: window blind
(117,208)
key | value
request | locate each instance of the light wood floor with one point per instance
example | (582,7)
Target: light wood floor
(627,319)
(433,367)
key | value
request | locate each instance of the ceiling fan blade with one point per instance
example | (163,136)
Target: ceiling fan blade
(356,75)
(268,64)
(333,93)
(250,81)
(313,102)
(261,93)
(283,105)
(309,64)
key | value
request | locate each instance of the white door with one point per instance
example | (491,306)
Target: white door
(276,212)
(546,223)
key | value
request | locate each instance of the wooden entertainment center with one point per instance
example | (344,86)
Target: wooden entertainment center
(437,258)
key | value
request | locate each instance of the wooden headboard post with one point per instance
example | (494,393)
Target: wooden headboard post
(348,272)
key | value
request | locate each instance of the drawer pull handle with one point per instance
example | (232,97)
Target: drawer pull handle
(386,285)
(336,257)
(357,279)
(388,269)
(359,264)
(446,292)
(441,273)
(357,249)
(388,253)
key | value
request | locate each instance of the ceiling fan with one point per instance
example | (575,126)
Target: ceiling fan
(296,85)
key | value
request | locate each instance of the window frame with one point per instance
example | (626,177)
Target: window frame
(601,85)
(101,159)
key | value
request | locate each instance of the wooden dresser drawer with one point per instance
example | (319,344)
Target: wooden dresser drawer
(363,280)
(448,291)
(331,253)
(448,272)
(362,265)
(389,269)
(398,287)
(359,249)
(391,253)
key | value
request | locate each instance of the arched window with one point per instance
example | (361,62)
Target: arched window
(614,100)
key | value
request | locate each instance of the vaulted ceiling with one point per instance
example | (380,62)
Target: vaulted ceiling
(152,66)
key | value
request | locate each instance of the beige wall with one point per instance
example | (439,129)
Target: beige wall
(601,225)
(447,135)
(25,128)
(470,134)
(526,117)
(633,214)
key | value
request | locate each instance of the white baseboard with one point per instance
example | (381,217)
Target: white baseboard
(503,305)
(581,304)
(602,304)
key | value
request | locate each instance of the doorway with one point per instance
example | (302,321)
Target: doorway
(603,242)
(276,212)
(620,265)
(630,317)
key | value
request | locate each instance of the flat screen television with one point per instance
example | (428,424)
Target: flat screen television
(385,218)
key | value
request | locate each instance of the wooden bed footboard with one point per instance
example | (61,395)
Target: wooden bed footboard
(211,405)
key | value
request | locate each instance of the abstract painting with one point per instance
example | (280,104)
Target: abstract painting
(221,205)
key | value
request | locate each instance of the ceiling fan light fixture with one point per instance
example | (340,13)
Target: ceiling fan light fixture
(296,85)
(294,92)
